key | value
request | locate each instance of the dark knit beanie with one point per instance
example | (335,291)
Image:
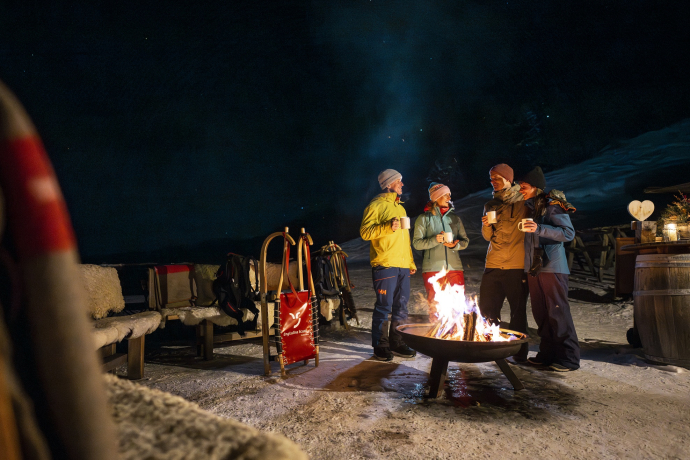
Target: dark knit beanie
(504,170)
(535,178)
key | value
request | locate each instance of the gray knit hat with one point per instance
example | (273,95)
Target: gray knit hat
(387,177)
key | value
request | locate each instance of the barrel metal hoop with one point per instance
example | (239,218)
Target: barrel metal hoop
(668,361)
(665,264)
(663,292)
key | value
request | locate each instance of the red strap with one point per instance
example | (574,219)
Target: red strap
(347,274)
(307,253)
(287,266)
(170,269)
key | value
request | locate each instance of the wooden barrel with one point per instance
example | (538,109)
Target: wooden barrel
(662,307)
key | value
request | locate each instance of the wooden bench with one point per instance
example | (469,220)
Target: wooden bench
(184,293)
(104,296)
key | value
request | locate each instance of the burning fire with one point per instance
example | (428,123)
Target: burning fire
(459,317)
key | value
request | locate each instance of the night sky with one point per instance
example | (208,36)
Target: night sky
(184,130)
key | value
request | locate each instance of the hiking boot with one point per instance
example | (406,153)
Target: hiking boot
(560,368)
(383,354)
(537,361)
(518,360)
(403,350)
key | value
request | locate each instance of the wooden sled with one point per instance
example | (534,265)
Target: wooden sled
(267,324)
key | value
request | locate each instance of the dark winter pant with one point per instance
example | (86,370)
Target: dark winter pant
(551,310)
(498,284)
(392,286)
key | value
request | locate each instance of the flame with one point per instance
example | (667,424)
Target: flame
(454,311)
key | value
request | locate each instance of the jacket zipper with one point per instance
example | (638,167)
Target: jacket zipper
(443,226)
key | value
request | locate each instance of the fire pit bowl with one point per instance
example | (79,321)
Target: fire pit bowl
(460,351)
(443,351)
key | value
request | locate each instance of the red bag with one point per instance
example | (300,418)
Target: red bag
(296,321)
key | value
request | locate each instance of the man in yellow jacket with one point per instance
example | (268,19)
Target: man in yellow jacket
(392,265)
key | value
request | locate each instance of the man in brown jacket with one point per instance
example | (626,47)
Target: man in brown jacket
(505,259)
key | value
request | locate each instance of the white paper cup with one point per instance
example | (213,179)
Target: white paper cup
(491,215)
(448,237)
(521,224)
(405,223)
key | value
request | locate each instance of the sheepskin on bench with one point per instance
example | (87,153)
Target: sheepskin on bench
(116,328)
(103,290)
(191,316)
(104,295)
(154,424)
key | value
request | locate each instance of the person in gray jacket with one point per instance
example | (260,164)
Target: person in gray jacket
(547,267)
(429,231)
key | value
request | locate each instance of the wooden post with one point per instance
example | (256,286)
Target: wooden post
(602,256)
(588,259)
(199,341)
(612,252)
(107,350)
(207,328)
(135,358)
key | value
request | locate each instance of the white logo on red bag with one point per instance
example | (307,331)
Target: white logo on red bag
(298,315)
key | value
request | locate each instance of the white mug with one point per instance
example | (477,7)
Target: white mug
(405,223)
(491,215)
(521,224)
(448,237)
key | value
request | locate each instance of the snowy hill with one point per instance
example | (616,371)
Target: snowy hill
(600,188)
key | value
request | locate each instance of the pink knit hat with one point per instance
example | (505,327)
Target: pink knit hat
(504,170)
(436,191)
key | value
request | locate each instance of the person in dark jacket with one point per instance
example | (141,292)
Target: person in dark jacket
(504,274)
(547,268)
(429,230)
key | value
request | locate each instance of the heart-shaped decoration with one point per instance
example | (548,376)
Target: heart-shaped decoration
(640,211)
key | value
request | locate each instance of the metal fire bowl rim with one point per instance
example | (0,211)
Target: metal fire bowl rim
(461,351)
(521,336)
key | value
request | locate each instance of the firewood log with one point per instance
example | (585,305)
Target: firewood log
(470,326)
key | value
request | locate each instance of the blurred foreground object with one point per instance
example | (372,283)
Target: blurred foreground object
(59,367)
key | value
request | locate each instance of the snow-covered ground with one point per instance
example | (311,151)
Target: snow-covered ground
(616,406)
